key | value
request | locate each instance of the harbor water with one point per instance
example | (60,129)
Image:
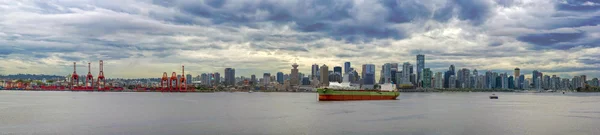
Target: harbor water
(153,113)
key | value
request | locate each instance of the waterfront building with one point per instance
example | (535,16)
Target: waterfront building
(522,84)
(511,82)
(450,80)
(347,67)
(253,79)
(406,68)
(280,77)
(387,72)
(368,76)
(324,75)
(438,80)
(315,75)
(447,75)
(266,78)
(188,78)
(420,67)
(229,76)
(534,75)
(295,76)
(426,83)
(517,74)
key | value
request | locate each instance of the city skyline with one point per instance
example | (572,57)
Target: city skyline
(143,41)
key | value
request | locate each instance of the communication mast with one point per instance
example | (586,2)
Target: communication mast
(101,77)
(74,77)
(90,78)
(183,85)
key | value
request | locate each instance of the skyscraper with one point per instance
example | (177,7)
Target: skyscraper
(188,78)
(406,73)
(420,67)
(447,75)
(387,72)
(535,74)
(346,67)
(324,76)
(217,78)
(438,80)
(426,78)
(280,77)
(517,73)
(229,76)
(295,76)
(266,78)
(368,73)
(315,72)
(252,79)
(337,69)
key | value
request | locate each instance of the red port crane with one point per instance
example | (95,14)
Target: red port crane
(182,82)
(164,82)
(89,79)
(173,86)
(101,86)
(74,77)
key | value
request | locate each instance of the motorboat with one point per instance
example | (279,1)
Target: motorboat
(493,96)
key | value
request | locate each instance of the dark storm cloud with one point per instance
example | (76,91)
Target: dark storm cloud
(475,11)
(334,18)
(579,5)
(552,40)
(589,61)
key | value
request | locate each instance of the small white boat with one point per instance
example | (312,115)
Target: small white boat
(250,91)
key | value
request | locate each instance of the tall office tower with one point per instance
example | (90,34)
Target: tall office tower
(280,77)
(521,84)
(230,76)
(468,78)
(511,82)
(534,75)
(420,67)
(188,78)
(368,73)
(427,74)
(315,72)
(504,81)
(324,75)
(438,80)
(583,80)
(266,78)
(517,73)
(452,79)
(459,78)
(337,69)
(253,80)
(347,67)
(387,72)
(295,76)
(406,73)
(447,75)
(217,78)
(393,72)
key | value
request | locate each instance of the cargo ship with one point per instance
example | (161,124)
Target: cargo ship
(345,91)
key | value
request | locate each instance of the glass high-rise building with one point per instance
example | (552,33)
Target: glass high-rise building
(346,67)
(420,67)
(427,74)
(280,77)
(315,72)
(230,76)
(368,74)
(337,69)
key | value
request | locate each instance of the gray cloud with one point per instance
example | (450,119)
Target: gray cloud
(266,35)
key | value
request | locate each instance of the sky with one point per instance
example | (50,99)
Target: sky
(144,38)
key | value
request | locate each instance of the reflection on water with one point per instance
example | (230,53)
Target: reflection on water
(296,113)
